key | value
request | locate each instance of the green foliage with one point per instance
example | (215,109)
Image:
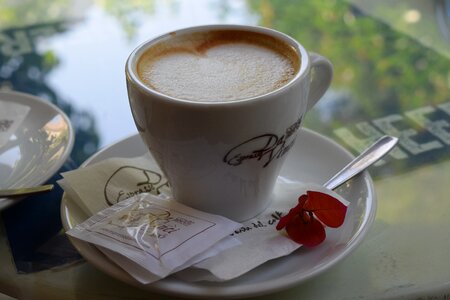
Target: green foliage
(15,13)
(128,13)
(384,70)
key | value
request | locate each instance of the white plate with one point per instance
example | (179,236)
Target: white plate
(314,158)
(39,146)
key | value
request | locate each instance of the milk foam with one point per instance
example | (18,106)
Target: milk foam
(223,72)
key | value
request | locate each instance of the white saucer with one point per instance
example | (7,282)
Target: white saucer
(39,146)
(314,158)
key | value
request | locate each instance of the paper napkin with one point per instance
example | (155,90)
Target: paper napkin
(11,116)
(106,183)
(111,181)
(260,241)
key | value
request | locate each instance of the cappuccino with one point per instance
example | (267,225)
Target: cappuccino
(218,106)
(218,65)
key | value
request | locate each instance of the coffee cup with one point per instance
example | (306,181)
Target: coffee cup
(219,107)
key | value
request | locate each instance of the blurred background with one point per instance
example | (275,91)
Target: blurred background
(392,76)
(391,62)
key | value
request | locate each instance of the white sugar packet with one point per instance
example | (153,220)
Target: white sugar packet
(150,237)
(11,116)
(110,181)
(260,241)
(144,276)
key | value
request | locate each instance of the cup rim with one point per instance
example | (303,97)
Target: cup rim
(132,77)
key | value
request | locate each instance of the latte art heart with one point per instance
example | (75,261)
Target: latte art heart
(217,70)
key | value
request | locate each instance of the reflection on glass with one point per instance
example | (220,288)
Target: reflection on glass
(8,157)
(442,12)
(130,14)
(23,67)
(412,16)
(385,81)
(56,132)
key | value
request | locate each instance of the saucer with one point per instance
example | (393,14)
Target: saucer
(38,147)
(314,158)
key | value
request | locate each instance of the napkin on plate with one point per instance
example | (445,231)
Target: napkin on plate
(260,241)
(103,184)
(11,116)
(98,186)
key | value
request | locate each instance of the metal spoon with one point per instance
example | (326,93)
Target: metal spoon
(369,156)
(9,193)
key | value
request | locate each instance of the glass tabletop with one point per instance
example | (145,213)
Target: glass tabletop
(391,62)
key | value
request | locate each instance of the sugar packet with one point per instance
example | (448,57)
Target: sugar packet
(151,237)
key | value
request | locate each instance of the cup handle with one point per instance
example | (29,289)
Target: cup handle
(321,76)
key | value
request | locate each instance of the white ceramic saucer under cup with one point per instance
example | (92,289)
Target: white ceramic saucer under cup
(38,147)
(314,158)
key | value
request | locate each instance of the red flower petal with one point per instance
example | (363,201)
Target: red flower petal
(302,199)
(327,209)
(292,212)
(284,220)
(310,233)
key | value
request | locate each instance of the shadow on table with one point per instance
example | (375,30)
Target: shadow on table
(34,230)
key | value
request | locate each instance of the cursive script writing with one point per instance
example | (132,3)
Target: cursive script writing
(145,181)
(259,224)
(265,147)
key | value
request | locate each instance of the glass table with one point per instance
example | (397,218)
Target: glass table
(391,60)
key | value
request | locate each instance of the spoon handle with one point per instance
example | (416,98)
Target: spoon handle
(362,161)
(26,191)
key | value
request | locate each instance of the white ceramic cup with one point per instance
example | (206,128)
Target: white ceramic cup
(225,157)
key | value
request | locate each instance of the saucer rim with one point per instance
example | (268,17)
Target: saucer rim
(171,286)
(37,103)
